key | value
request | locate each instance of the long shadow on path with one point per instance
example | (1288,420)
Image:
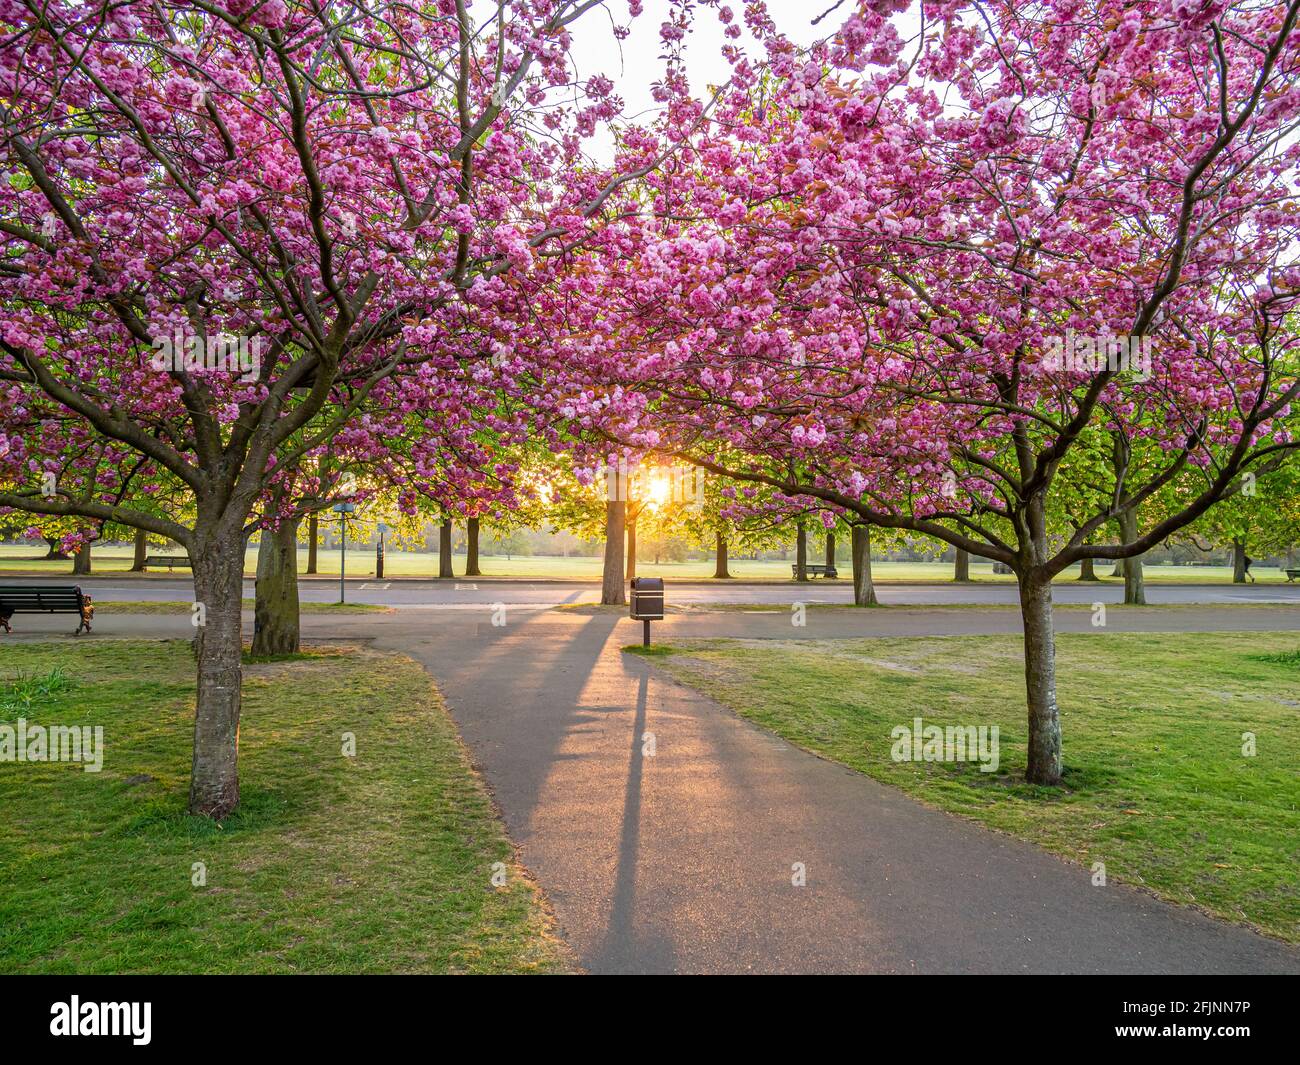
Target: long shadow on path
(692,858)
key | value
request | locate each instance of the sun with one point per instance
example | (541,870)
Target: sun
(658,490)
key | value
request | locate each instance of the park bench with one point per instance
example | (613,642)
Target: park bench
(18,599)
(1292,574)
(828,572)
(170,561)
(1001,567)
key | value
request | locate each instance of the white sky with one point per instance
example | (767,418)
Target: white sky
(634,64)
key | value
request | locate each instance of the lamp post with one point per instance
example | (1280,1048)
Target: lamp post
(343,510)
(379,552)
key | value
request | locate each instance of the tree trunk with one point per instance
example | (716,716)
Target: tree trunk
(313,535)
(720,571)
(1135,592)
(217,557)
(81,560)
(277,631)
(961,567)
(444,550)
(1040,681)
(631,548)
(471,549)
(864,590)
(801,554)
(1088,570)
(1238,562)
(612,590)
(830,550)
(141,551)
(53,550)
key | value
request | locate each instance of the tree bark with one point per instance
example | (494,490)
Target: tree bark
(313,536)
(1238,562)
(961,567)
(217,558)
(864,590)
(1040,680)
(141,551)
(444,550)
(81,560)
(830,550)
(278,630)
(612,590)
(53,550)
(631,547)
(1088,570)
(801,554)
(471,549)
(720,570)
(1135,592)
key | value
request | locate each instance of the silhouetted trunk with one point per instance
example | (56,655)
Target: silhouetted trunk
(830,550)
(141,551)
(1044,765)
(81,560)
(961,567)
(1238,562)
(275,605)
(54,549)
(217,557)
(864,590)
(1135,593)
(444,550)
(313,535)
(631,548)
(720,570)
(612,589)
(471,548)
(1088,570)
(801,554)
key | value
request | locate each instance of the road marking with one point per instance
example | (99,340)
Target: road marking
(467,587)
(375,587)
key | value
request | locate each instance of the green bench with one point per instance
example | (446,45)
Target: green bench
(170,561)
(26,599)
(829,572)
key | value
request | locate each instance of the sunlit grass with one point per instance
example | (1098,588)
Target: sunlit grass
(378,863)
(1156,784)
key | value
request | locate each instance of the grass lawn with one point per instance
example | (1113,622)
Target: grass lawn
(1156,784)
(378,863)
(116,559)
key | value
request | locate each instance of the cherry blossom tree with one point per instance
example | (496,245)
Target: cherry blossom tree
(934,280)
(230,229)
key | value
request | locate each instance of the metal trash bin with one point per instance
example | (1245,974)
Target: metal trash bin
(647,603)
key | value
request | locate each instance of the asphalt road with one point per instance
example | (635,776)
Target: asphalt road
(466,593)
(684,859)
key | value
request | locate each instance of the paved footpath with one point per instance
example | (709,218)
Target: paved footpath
(682,861)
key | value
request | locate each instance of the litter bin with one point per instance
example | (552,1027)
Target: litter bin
(647,603)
